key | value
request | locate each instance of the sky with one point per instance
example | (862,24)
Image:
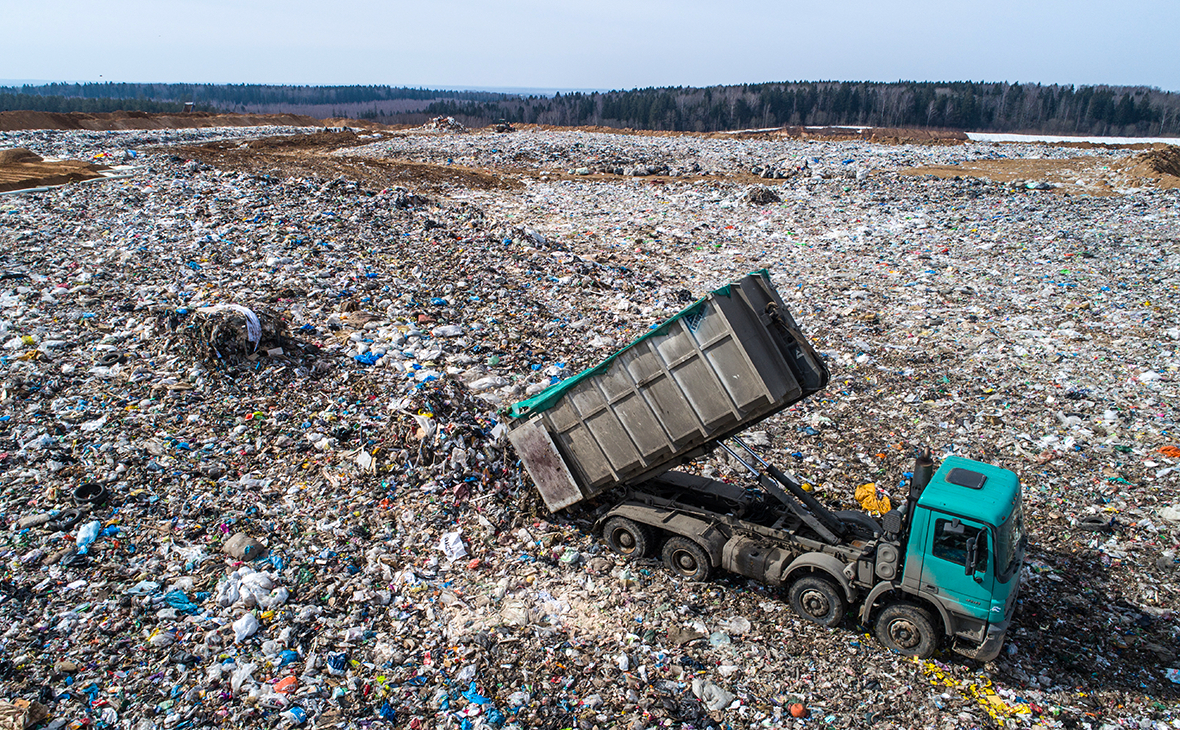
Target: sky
(608,44)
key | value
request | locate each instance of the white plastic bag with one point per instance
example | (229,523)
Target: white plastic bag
(245,627)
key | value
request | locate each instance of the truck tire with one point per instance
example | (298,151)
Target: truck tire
(687,559)
(907,629)
(817,600)
(627,538)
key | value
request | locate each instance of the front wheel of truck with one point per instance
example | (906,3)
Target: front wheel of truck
(626,538)
(907,629)
(817,600)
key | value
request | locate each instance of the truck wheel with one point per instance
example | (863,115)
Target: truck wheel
(686,559)
(626,538)
(817,600)
(907,629)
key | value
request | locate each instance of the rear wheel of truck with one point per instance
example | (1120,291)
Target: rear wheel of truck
(817,600)
(627,538)
(907,629)
(687,559)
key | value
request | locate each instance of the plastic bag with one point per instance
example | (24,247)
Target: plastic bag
(245,627)
(869,500)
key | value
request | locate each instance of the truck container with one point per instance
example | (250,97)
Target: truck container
(944,566)
(728,361)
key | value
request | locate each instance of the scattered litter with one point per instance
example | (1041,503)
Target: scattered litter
(253,453)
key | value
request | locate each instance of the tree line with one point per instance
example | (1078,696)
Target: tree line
(37,103)
(974,106)
(227,96)
(998,107)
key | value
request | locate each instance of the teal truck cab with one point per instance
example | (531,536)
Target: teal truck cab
(963,555)
(945,565)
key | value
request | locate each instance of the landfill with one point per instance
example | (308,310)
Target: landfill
(254,471)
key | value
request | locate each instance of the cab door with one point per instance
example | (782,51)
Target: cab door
(952,541)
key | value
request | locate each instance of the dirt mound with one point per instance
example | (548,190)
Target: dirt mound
(21,169)
(1076,175)
(322,140)
(12,121)
(18,154)
(1165,161)
(1158,166)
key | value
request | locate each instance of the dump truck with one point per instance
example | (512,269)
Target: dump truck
(943,567)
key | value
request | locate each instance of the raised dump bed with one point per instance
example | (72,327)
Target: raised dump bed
(724,363)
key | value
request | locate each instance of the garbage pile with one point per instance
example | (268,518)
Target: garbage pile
(253,467)
(759,195)
(442,125)
(632,168)
(230,333)
(781,169)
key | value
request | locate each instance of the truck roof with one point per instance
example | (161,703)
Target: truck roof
(971,488)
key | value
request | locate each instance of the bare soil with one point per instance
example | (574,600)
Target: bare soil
(12,121)
(883,135)
(880,135)
(21,169)
(1161,164)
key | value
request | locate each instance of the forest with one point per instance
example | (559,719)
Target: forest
(965,105)
(10,101)
(998,107)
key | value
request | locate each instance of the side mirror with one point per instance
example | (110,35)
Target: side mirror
(972,555)
(954,527)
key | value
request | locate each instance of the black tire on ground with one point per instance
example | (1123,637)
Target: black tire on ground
(818,600)
(687,559)
(627,538)
(907,629)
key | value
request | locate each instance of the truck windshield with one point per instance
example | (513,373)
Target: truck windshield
(1008,542)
